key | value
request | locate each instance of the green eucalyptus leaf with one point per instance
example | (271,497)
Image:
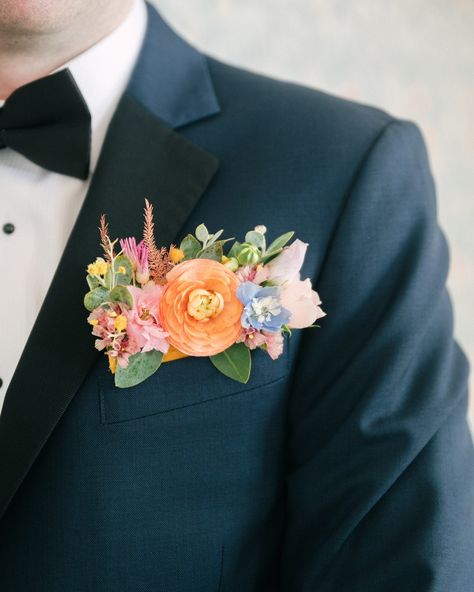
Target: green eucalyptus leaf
(235,362)
(140,367)
(213,237)
(213,251)
(95,298)
(255,238)
(92,281)
(190,246)
(122,295)
(234,250)
(202,233)
(123,277)
(279,243)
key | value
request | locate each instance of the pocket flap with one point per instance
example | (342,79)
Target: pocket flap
(182,383)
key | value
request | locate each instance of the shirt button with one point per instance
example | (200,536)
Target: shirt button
(1,383)
(8,228)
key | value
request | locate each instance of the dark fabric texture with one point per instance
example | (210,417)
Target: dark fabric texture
(344,466)
(48,121)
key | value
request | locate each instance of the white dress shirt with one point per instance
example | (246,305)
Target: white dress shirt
(41,205)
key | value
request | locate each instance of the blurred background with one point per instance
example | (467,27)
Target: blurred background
(413,58)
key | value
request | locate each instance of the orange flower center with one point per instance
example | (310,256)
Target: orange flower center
(204,304)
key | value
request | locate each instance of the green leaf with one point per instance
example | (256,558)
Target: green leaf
(255,238)
(235,362)
(268,257)
(190,246)
(140,367)
(234,250)
(121,294)
(202,233)
(279,242)
(213,237)
(96,297)
(92,281)
(123,277)
(213,251)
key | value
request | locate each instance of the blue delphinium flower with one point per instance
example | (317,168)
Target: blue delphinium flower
(262,308)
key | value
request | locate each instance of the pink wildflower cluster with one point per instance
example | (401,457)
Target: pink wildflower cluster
(272,343)
(122,332)
(111,337)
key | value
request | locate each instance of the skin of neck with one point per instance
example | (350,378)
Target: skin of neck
(32,49)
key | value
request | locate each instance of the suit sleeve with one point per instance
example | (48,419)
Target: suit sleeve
(380,466)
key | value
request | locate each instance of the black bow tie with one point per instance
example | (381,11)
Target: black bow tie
(48,121)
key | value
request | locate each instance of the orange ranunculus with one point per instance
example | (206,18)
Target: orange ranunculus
(199,308)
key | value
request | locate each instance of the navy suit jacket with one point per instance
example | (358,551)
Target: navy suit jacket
(345,465)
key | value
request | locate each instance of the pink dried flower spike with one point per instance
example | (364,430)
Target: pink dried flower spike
(138,255)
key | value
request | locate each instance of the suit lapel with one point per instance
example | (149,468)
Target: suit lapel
(142,157)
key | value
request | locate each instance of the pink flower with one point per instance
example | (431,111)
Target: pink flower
(246,273)
(261,275)
(116,342)
(303,303)
(272,343)
(286,266)
(251,337)
(143,320)
(138,255)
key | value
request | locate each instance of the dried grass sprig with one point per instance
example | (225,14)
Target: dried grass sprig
(158,258)
(106,243)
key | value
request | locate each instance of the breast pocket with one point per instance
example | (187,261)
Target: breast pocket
(182,383)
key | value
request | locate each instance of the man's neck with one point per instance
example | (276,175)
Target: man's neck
(27,57)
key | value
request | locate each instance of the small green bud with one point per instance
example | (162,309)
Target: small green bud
(248,254)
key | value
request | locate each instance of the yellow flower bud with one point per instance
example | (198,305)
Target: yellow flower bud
(99,267)
(176,255)
(102,266)
(93,322)
(231,263)
(120,323)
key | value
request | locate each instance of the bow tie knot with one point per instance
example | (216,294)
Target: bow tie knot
(48,122)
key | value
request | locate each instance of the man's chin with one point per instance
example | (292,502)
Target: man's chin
(38,17)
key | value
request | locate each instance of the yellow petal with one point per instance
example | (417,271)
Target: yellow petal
(101,266)
(173,354)
(120,323)
(112,364)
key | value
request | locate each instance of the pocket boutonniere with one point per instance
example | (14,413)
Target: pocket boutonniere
(209,297)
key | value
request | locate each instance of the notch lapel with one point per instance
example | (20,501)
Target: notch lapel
(142,157)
